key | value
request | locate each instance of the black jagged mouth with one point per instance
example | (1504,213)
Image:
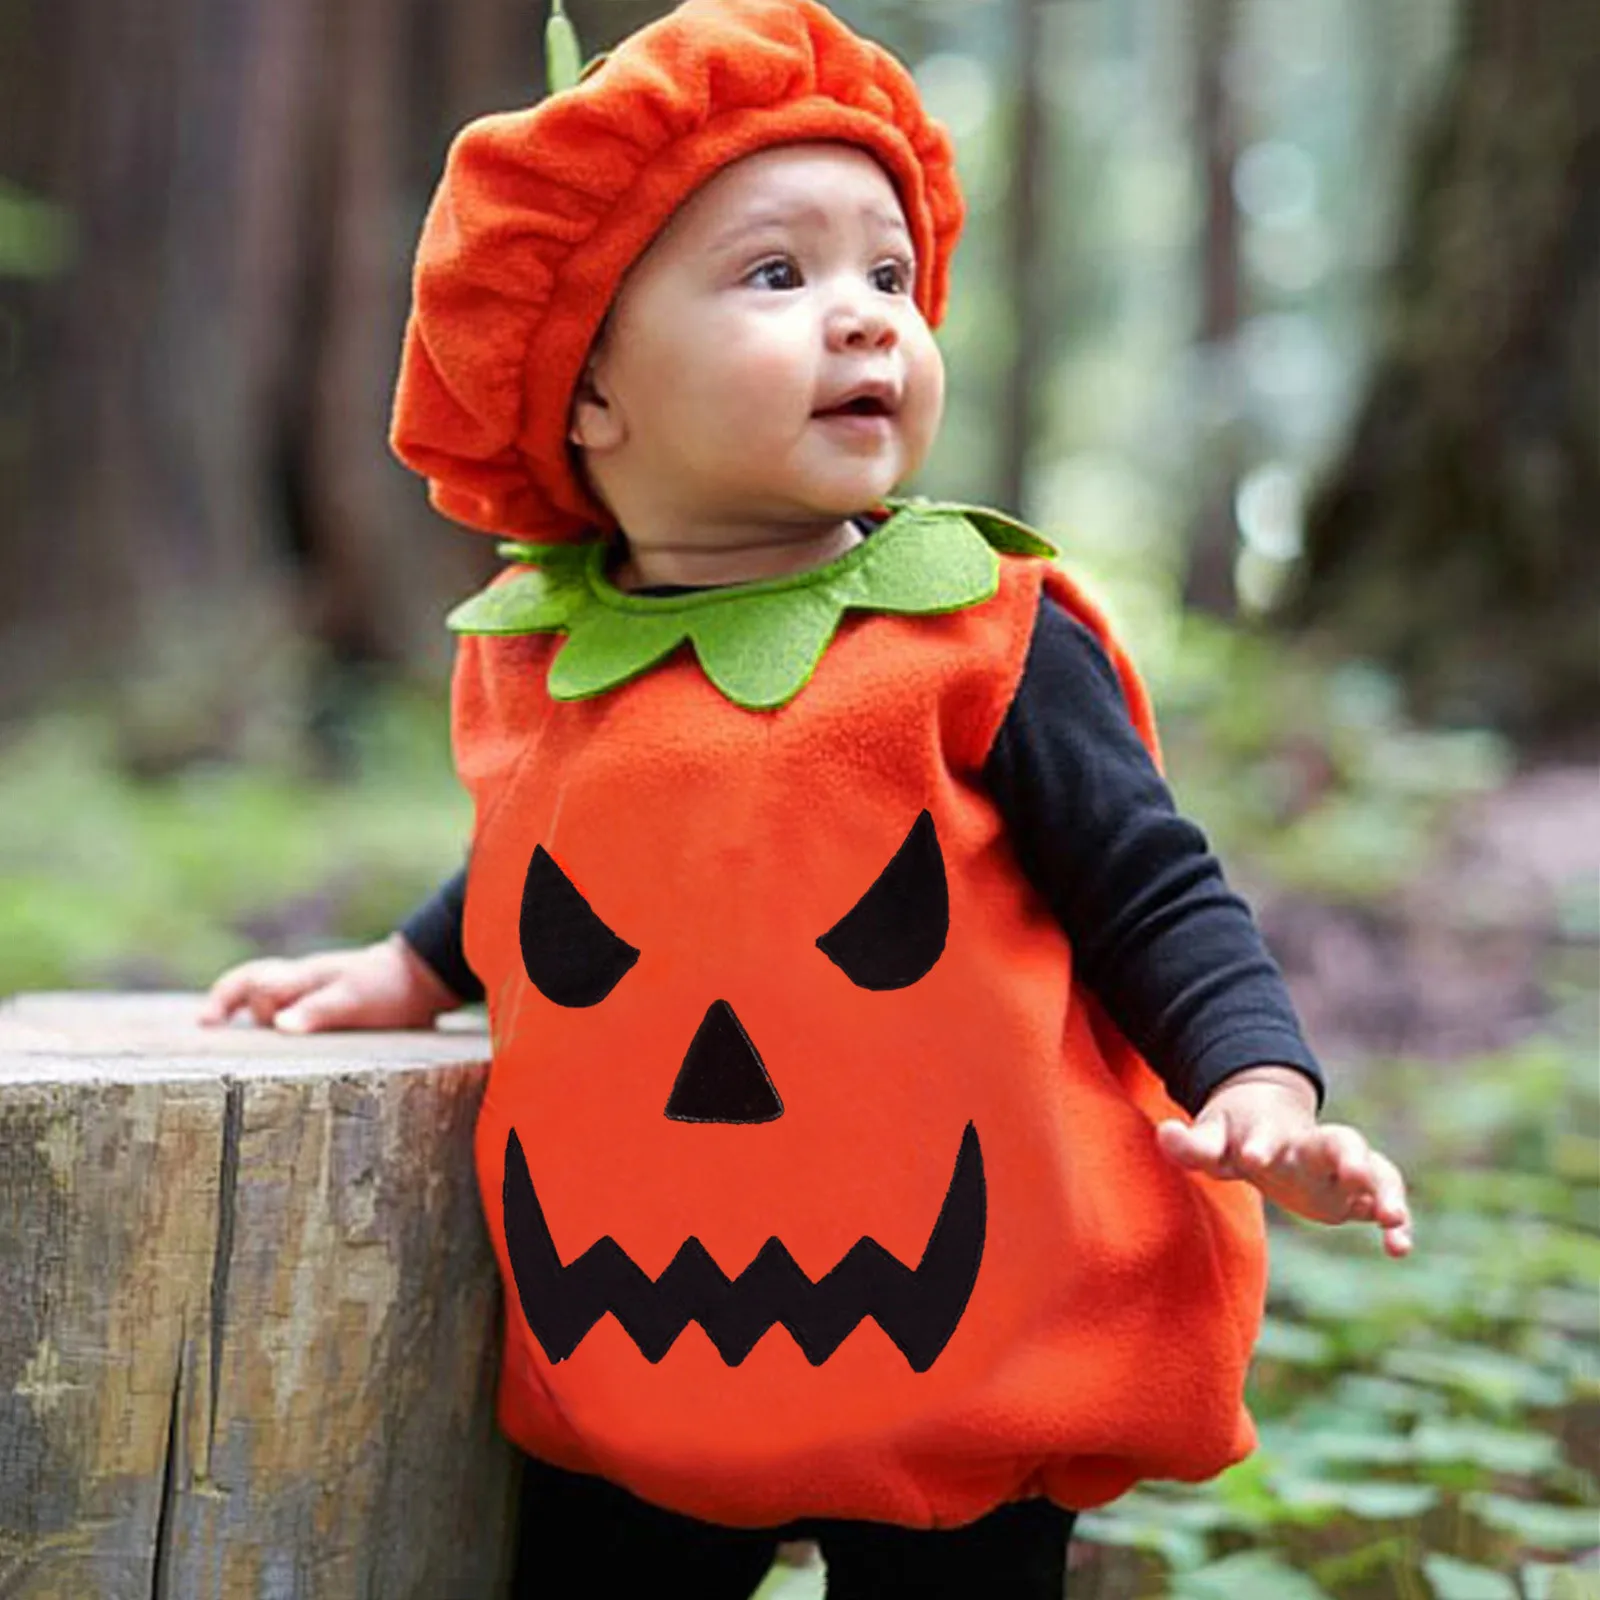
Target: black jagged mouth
(918,1308)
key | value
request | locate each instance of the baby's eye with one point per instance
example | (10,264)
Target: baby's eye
(893,277)
(781,272)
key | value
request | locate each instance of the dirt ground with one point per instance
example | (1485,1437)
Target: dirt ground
(1497,930)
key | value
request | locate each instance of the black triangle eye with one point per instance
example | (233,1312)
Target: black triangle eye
(569,954)
(896,931)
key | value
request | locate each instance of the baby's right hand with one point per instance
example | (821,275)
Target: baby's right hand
(386,985)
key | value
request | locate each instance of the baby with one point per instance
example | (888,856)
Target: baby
(884,1079)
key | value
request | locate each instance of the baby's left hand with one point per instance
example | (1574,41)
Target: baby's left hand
(1261,1125)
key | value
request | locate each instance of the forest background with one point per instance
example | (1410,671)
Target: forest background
(1282,316)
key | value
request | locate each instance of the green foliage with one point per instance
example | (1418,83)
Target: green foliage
(1422,1422)
(36,237)
(1461,1580)
(1310,773)
(106,881)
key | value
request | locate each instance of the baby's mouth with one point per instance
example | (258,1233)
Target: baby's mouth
(862,406)
(873,399)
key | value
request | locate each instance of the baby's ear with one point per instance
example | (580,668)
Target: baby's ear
(594,423)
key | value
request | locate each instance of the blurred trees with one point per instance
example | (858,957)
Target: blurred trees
(1213,536)
(209,481)
(1456,538)
(1027,289)
(1162,293)
(210,522)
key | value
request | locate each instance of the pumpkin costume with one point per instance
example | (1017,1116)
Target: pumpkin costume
(817,1186)
(820,1183)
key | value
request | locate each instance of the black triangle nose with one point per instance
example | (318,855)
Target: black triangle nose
(722,1078)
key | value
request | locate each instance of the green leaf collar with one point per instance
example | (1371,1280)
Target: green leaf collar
(758,643)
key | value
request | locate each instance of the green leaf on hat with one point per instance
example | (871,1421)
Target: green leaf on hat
(563,60)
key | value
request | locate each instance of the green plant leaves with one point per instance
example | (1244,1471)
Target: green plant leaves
(1515,1452)
(1543,1580)
(1537,1523)
(1250,1575)
(37,237)
(1461,1580)
(1417,1418)
(1373,1500)
(1493,1377)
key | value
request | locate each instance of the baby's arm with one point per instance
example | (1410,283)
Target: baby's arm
(384,985)
(1171,952)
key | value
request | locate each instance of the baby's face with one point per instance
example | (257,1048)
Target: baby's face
(764,361)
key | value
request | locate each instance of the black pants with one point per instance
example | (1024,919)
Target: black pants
(585,1539)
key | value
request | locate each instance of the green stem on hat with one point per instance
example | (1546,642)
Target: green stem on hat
(563,60)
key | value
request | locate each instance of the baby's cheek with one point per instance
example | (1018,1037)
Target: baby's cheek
(765,382)
(925,382)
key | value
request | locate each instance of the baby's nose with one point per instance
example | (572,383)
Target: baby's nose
(858,324)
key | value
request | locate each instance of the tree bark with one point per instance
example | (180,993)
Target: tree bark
(1454,541)
(210,485)
(250,1325)
(1213,543)
(1024,259)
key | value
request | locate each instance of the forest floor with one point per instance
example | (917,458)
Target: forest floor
(1430,1429)
(1459,960)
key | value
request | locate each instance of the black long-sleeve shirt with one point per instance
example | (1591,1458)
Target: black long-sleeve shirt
(1169,950)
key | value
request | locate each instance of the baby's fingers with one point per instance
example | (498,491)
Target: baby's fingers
(338,1004)
(1200,1146)
(261,987)
(1338,1161)
(1355,1183)
(1390,1209)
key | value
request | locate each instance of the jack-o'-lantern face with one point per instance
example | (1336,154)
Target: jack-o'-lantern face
(890,939)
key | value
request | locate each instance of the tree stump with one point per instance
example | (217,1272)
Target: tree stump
(248,1312)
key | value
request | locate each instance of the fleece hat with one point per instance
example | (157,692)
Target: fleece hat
(541,212)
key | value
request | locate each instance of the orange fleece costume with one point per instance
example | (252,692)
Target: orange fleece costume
(818,1185)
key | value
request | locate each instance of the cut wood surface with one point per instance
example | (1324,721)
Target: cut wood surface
(248,1312)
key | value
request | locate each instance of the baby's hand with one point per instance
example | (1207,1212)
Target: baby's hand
(1261,1125)
(385,985)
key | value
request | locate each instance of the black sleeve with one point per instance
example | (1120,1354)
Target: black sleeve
(433,930)
(1169,950)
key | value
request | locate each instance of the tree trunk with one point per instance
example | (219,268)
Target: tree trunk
(1024,261)
(1455,539)
(210,483)
(1213,543)
(250,1327)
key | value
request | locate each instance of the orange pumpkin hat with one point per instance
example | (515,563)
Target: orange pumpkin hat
(540,213)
